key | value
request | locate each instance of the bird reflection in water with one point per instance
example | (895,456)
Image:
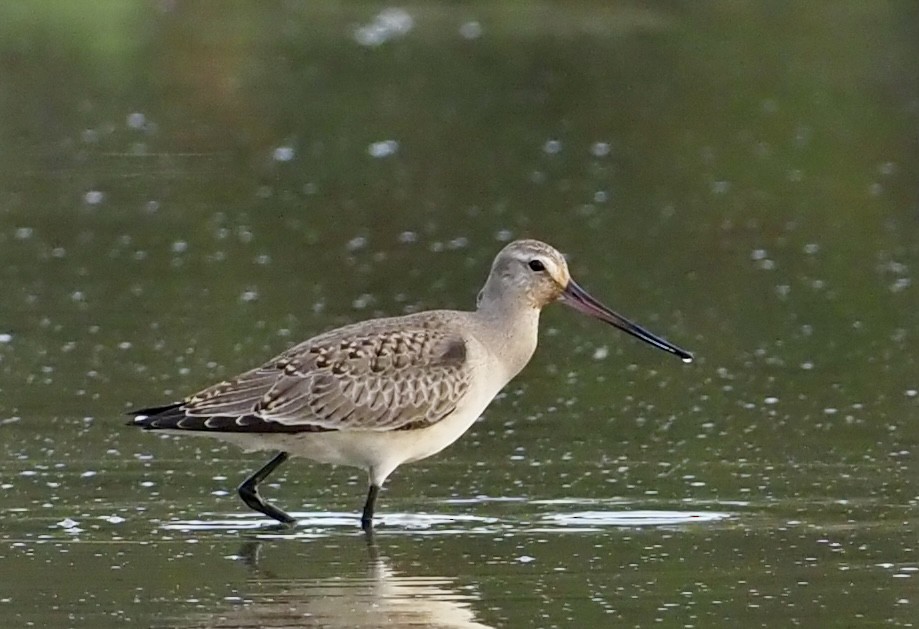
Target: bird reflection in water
(382,598)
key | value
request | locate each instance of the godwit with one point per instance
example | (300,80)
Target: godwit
(384,392)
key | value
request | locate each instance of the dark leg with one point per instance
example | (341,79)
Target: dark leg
(367,516)
(248,491)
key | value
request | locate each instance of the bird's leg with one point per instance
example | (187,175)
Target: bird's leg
(367,516)
(248,491)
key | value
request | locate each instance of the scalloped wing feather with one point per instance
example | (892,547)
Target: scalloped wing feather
(386,379)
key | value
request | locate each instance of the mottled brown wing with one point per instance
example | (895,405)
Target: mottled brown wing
(384,380)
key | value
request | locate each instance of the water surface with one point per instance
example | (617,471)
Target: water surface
(187,189)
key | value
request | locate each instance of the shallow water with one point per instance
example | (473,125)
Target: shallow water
(185,191)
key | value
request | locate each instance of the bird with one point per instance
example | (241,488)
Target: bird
(383,392)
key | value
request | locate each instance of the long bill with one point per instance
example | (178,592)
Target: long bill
(580,300)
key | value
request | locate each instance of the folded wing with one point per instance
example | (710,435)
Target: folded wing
(386,379)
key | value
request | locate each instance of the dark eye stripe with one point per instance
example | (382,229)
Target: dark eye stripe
(537,265)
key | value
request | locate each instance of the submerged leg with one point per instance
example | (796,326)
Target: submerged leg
(367,516)
(248,491)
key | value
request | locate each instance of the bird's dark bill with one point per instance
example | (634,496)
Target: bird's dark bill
(580,300)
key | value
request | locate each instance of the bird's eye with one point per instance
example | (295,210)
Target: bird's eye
(537,265)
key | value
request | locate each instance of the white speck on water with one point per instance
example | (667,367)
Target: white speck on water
(601,352)
(137,120)
(88,474)
(388,24)
(125,345)
(147,483)
(552,147)
(24,233)
(721,187)
(362,301)
(758,254)
(77,296)
(895,267)
(67,523)
(94,197)
(179,246)
(263,259)
(382,149)
(504,235)
(113,519)
(244,235)
(771,400)
(248,296)
(526,559)
(887,168)
(900,284)
(807,365)
(601,196)
(470,30)
(408,237)
(830,411)
(811,248)
(5,337)
(220,492)
(600,149)
(912,393)
(283,154)
(356,244)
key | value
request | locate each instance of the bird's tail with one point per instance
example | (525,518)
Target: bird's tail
(158,416)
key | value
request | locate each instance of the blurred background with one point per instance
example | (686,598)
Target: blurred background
(188,188)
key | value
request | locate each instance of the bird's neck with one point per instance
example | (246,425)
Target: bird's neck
(513,328)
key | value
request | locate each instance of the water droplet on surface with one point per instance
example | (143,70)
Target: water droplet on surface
(136,120)
(356,244)
(283,154)
(600,149)
(552,147)
(94,197)
(470,30)
(386,148)
(388,24)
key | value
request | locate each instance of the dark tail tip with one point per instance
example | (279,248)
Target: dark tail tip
(147,417)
